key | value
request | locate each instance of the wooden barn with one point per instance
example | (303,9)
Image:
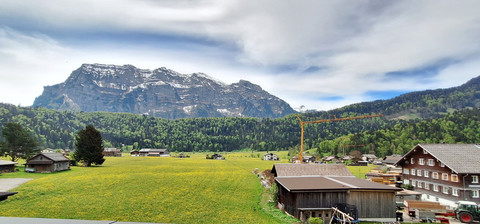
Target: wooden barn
(134,153)
(47,163)
(307,190)
(112,152)
(154,152)
(7,166)
(310,196)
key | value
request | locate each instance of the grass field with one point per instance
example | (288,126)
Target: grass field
(145,189)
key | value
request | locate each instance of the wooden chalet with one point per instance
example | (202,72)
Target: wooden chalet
(270,156)
(391,160)
(446,173)
(47,163)
(7,166)
(312,190)
(112,152)
(154,152)
(134,153)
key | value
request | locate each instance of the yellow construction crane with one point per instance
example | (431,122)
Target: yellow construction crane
(302,123)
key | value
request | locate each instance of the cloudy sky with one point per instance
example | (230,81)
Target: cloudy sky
(321,54)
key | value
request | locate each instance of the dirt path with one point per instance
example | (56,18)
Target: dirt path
(7,184)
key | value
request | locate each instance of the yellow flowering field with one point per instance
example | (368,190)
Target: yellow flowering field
(147,189)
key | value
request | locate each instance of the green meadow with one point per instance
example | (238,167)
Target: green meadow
(149,189)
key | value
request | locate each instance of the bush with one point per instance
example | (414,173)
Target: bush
(407,186)
(315,220)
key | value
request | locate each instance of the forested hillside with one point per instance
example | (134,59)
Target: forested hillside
(57,129)
(458,127)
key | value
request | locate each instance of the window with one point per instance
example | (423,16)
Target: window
(454,177)
(414,183)
(442,165)
(430,162)
(407,182)
(474,179)
(421,161)
(445,189)
(475,194)
(419,173)
(435,175)
(419,184)
(406,171)
(412,160)
(435,187)
(413,172)
(454,191)
(444,176)
(427,186)
(426,173)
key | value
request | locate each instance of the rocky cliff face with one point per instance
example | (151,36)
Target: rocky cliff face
(160,93)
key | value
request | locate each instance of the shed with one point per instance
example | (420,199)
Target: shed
(314,196)
(7,166)
(47,163)
(270,156)
(154,152)
(112,152)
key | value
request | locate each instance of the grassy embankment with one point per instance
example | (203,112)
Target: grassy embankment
(141,189)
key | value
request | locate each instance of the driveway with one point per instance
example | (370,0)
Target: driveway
(7,184)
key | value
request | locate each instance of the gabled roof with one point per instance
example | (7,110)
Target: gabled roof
(392,159)
(56,157)
(6,163)
(295,170)
(460,158)
(153,150)
(369,156)
(330,183)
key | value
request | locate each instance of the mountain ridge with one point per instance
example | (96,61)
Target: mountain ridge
(160,92)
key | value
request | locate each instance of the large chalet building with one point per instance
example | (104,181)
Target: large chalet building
(446,173)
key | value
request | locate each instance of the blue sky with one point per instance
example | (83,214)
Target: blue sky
(320,54)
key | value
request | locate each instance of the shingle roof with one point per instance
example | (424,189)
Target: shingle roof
(5,162)
(292,170)
(460,158)
(391,159)
(55,156)
(330,183)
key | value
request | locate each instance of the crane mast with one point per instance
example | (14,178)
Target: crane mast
(302,123)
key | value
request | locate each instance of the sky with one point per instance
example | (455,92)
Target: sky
(319,54)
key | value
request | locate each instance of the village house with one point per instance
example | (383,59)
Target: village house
(308,159)
(312,190)
(7,166)
(445,173)
(369,157)
(391,160)
(270,156)
(47,163)
(112,152)
(331,159)
(154,152)
(134,153)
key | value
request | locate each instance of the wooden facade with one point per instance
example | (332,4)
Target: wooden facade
(47,163)
(112,152)
(305,197)
(443,172)
(7,166)
(154,152)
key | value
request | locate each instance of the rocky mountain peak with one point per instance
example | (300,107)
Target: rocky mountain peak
(160,92)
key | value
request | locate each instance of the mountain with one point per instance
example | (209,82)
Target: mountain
(160,93)
(421,104)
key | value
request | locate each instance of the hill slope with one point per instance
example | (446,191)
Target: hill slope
(160,93)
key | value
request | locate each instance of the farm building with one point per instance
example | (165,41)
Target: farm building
(446,173)
(296,170)
(390,160)
(314,196)
(331,158)
(154,152)
(312,190)
(112,152)
(270,156)
(308,159)
(134,153)
(369,157)
(7,166)
(47,163)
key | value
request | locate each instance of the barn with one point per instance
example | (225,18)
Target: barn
(47,163)
(312,190)
(112,152)
(7,166)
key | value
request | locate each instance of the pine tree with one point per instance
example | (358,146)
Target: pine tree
(19,143)
(89,146)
